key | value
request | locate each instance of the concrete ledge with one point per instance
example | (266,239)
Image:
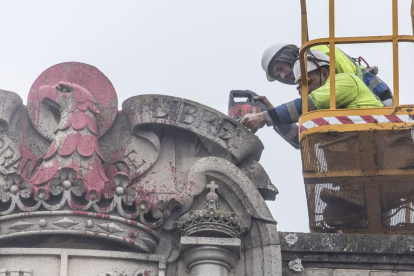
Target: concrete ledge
(361,253)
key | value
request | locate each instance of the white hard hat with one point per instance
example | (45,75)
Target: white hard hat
(315,59)
(268,55)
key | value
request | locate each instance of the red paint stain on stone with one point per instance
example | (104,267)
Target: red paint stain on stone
(190,185)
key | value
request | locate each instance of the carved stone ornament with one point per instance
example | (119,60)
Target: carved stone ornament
(296,265)
(291,239)
(211,221)
(74,168)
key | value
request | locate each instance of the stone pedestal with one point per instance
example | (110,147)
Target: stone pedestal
(210,256)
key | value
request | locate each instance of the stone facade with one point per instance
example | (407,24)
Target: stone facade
(347,254)
(166,186)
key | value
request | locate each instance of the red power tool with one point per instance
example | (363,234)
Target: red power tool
(237,110)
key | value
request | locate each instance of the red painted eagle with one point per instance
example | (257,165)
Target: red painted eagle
(75,144)
(71,136)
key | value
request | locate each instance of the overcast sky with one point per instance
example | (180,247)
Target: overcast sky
(195,49)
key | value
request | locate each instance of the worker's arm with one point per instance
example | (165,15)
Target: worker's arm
(287,113)
(378,87)
(290,133)
(346,92)
(350,92)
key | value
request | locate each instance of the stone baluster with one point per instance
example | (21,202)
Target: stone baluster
(210,256)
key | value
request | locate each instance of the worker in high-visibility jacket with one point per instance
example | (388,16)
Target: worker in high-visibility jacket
(278,60)
(351,92)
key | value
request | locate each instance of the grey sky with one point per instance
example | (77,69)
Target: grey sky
(196,49)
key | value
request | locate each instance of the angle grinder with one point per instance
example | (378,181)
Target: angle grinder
(237,109)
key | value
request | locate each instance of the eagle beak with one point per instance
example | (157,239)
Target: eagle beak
(49,96)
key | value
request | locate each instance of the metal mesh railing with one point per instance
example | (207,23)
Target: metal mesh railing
(337,177)
(331,152)
(397,199)
(340,151)
(337,205)
(395,149)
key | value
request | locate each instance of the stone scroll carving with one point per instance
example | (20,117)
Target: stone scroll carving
(211,125)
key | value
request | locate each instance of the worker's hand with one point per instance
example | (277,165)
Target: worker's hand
(265,101)
(253,121)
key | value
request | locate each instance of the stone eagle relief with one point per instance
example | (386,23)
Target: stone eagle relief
(71,163)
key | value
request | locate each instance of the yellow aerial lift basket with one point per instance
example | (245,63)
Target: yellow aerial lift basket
(358,164)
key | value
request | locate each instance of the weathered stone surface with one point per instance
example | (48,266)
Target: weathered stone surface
(213,126)
(318,272)
(9,105)
(272,260)
(347,254)
(231,244)
(210,256)
(254,262)
(76,174)
(71,262)
(350,272)
(384,273)
(346,272)
(231,176)
(405,273)
(257,174)
(350,243)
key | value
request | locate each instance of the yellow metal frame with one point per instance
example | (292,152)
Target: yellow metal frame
(395,38)
(369,174)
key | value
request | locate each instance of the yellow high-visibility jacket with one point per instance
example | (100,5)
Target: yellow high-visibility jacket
(342,63)
(350,91)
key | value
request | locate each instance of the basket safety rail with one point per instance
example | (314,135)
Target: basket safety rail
(358,164)
(395,38)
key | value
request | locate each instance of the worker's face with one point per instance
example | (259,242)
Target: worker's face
(282,70)
(316,79)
